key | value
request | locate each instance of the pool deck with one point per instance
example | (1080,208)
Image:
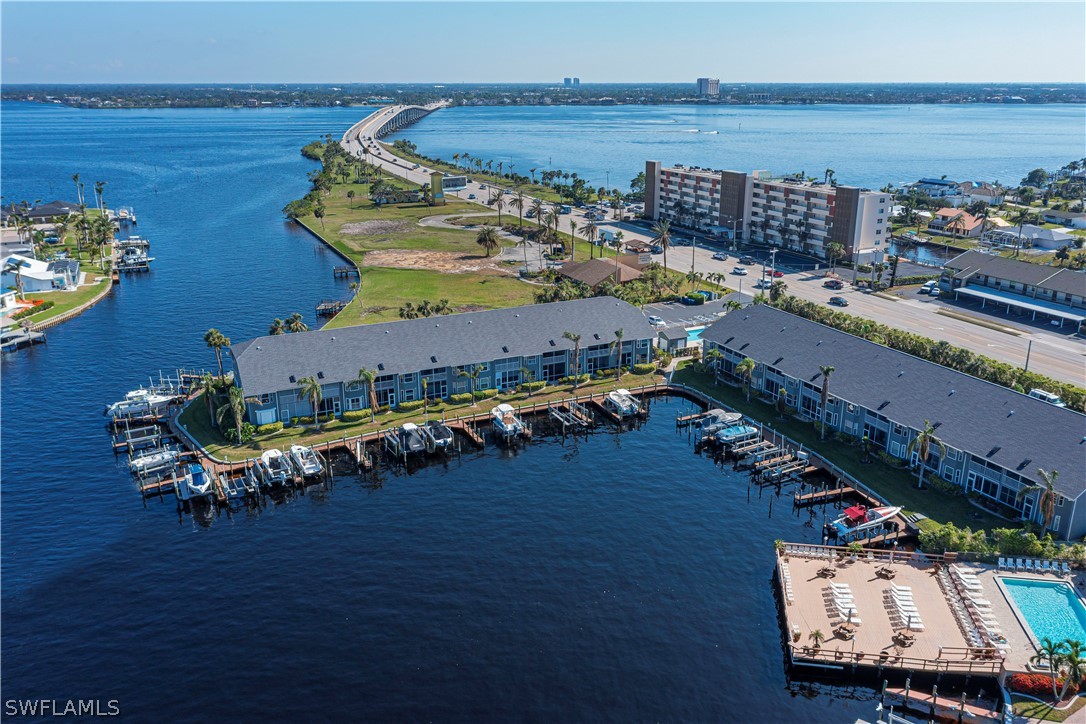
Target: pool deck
(942,645)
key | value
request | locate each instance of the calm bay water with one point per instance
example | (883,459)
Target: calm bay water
(616,577)
(867,146)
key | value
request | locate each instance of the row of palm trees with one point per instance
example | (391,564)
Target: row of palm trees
(425,308)
(293,323)
(1066,658)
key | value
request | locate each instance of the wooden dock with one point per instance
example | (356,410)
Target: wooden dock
(752,447)
(330,307)
(344,271)
(611,415)
(826,495)
(684,420)
(467,431)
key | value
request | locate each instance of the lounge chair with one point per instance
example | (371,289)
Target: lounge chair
(1029,565)
(1050,567)
(1065,568)
(1002,563)
(1020,565)
(901,589)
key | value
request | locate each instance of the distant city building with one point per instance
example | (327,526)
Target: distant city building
(567,82)
(791,213)
(757,97)
(708,87)
(576,82)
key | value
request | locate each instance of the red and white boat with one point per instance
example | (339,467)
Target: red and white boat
(860,517)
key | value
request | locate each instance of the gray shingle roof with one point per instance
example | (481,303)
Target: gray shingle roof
(1009,429)
(1047,277)
(265,364)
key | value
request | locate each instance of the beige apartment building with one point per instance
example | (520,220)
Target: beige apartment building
(785,212)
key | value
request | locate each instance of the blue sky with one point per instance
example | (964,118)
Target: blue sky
(330,42)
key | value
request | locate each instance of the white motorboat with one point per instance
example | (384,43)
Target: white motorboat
(622,403)
(859,518)
(734,434)
(152,460)
(440,434)
(506,422)
(305,461)
(196,483)
(273,467)
(138,402)
(717,419)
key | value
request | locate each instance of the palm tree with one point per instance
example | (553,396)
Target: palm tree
(234,408)
(295,323)
(1045,498)
(826,371)
(519,201)
(1074,666)
(616,349)
(1050,654)
(488,239)
(777,290)
(537,211)
(350,198)
(311,388)
(15,267)
(1021,217)
(532,171)
(206,385)
(499,202)
(99,193)
(318,211)
(529,378)
(745,372)
(472,376)
(590,231)
(368,377)
(817,637)
(78,189)
(922,445)
(576,339)
(216,340)
(573,240)
(277,327)
(661,234)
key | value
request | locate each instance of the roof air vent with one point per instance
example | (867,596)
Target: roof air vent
(993,451)
(381,366)
(901,373)
(952,392)
(1010,413)
(320,375)
(292,379)
(333,339)
(596,336)
(433,359)
(505,349)
(386,331)
(259,347)
(552,343)
(884,404)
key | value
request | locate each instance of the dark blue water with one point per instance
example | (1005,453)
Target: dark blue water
(867,146)
(617,578)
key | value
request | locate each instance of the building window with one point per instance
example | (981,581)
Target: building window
(878,231)
(265,399)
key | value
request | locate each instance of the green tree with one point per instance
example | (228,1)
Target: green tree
(216,340)
(234,409)
(1037,177)
(520,200)
(1045,495)
(616,350)
(745,372)
(472,376)
(921,444)
(1074,666)
(277,327)
(206,385)
(368,378)
(573,240)
(1050,654)
(590,231)
(826,371)
(488,239)
(777,290)
(537,211)
(661,234)
(576,339)
(499,204)
(295,323)
(318,211)
(350,198)
(529,377)
(817,637)
(311,388)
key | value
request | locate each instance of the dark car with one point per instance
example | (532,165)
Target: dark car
(747,260)
(833,284)
(839,301)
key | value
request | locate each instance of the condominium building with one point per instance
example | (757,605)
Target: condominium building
(787,212)
(708,87)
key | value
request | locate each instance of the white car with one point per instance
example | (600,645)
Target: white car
(763,284)
(720,256)
(655,321)
(740,271)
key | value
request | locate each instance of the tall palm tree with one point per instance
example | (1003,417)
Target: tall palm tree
(922,445)
(590,231)
(78,189)
(1046,496)
(745,372)
(537,211)
(216,340)
(520,200)
(311,388)
(777,290)
(1050,654)
(616,349)
(488,239)
(368,378)
(277,327)
(618,252)
(1074,666)
(826,371)
(99,193)
(661,234)
(206,385)
(1022,217)
(234,409)
(472,376)
(499,203)
(15,267)
(576,339)
(572,240)
(295,323)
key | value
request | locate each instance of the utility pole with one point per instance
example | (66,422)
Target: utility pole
(1029,348)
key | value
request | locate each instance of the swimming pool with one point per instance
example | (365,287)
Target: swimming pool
(694,334)
(1051,610)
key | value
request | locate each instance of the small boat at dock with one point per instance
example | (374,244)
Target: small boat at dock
(305,461)
(622,403)
(196,483)
(860,518)
(152,461)
(139,402)
(273,468)
(410,438)
(735,434)
(506,422)
(717,419)
(440,435)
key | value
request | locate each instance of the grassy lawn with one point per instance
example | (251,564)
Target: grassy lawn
(385,290)
(1044,712)
(66,301)
(895,484)
(195,418)
(535,190)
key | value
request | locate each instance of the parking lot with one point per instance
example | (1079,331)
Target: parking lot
(676,314)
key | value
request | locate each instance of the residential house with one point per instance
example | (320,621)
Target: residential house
(954,222)
(981,191)
(40,276)
(995,438)
(1030,235)
(597,271)
(1070,219)
(508,346)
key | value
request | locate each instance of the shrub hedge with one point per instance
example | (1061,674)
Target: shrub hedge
(33,310)
(460,398)
(643,368)
(1039,685)
(269,428)
(486,394)
(410,405)
(355,415)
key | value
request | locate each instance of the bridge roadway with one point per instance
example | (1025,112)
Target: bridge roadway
(1056,354)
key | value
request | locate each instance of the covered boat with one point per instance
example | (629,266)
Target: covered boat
(153,460)
(734,434)
(411,439)
(440,434)
(622,403)
(717,419)
(138,402)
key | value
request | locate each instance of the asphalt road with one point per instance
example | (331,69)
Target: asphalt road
(1055,354)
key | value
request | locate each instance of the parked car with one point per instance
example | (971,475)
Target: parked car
(747,260)
(777,274)
(740,271)
(1041,395)
(657,249)
(833,284)
(763,284)
(839,301)
(482,187)
(471,197)
(934,292)
(655,321)
(928,286)
(720,256)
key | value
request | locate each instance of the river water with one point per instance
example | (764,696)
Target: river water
(617,577)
